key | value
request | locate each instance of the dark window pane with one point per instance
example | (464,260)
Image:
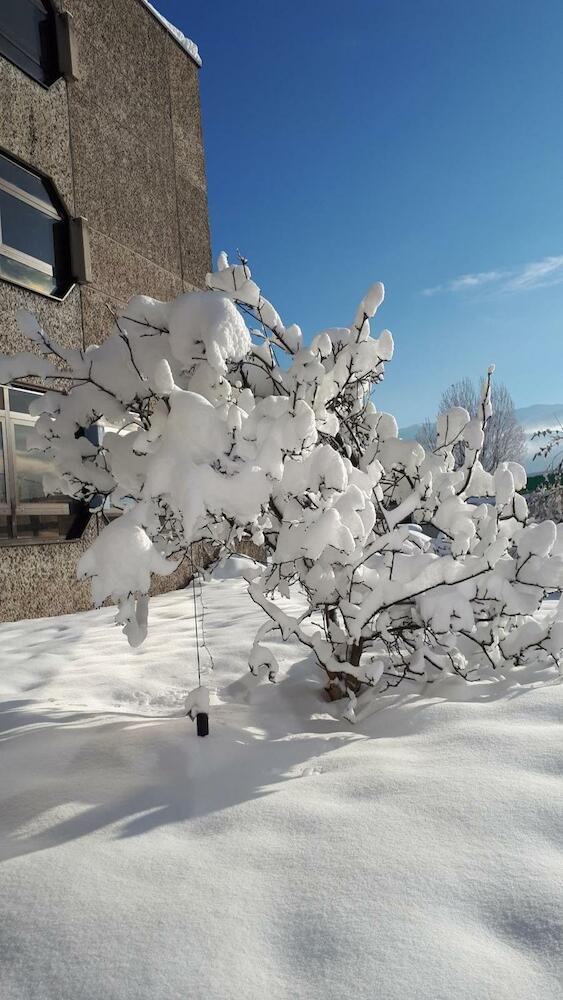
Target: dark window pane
(24,179)
(31,466)
(11,270)
(3,495)
(5,527)
(43,527)
(28,38)
(21,399)
(27,229)
(20,21)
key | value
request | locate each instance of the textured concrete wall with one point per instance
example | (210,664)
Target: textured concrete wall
(139,172)
(123,145)
(189,166)
(40,580)
(34,127)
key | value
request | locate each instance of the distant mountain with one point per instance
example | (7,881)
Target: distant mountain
(532,418)
(409,433)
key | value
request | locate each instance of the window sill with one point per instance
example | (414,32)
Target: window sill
(34,291)
(11,543)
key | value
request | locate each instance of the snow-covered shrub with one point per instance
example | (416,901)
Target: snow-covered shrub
(219,424)
(546,501)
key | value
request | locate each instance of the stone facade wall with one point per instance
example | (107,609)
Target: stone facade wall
(39,581)
(138,161)
(123,145)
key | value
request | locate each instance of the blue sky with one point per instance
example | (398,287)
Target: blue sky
(417,142)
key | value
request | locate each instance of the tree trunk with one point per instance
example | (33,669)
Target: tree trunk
(339,681)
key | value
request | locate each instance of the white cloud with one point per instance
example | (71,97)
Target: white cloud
(538,274)
(475,280)
(535,274)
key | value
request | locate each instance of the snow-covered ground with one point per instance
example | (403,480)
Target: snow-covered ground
(415,856)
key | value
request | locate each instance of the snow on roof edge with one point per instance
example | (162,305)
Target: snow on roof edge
(186,43)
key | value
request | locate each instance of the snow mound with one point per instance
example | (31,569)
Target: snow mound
(289,855)
(234,568)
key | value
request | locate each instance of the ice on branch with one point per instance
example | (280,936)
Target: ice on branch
(207,419)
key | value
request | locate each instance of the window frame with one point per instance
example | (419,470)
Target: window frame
(43,77)
(54,209)
(11,508)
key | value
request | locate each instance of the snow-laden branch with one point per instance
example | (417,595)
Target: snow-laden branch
(216,422)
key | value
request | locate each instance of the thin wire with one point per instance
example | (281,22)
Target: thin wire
(203,635)
(195,619)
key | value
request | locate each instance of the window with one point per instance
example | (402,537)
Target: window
(34,232)
(28,38)
(27,512)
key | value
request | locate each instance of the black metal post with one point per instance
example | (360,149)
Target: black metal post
(202,723)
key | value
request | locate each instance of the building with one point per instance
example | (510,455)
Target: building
(102,195)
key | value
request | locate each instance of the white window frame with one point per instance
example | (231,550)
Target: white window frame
(78,266)
(40,206)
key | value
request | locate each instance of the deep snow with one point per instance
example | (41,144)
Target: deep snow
(415,856)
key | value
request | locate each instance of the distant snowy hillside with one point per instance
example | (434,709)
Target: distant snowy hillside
(537,418)
(410,432)
(532,418)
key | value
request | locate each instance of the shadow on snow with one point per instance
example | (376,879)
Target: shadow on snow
(67,774)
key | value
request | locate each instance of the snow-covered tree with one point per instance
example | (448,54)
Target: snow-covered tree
(505,440)
(546,501)
(206,419)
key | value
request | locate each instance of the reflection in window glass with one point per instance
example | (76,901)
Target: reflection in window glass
(3,495)
(27,512)
(44,527)
(34,233)
(31,466)
(26,229)
(28,37)
(21,399)
(24,179)
(21,274)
